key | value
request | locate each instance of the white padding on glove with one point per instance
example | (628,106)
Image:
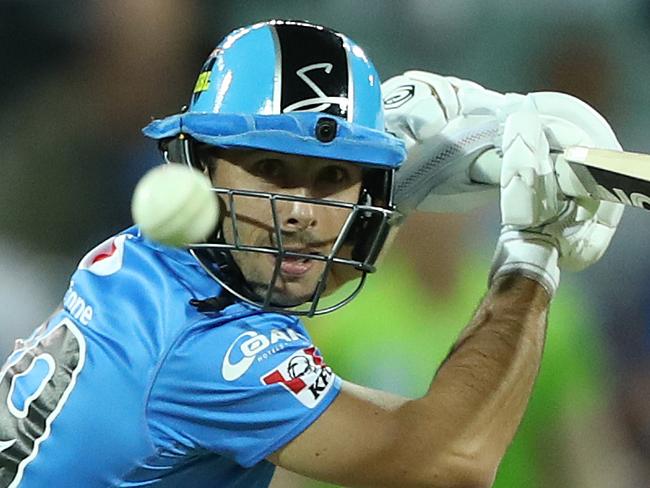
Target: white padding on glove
(436,116)
(527,173)
(587,226)
(573,110)
(529,199)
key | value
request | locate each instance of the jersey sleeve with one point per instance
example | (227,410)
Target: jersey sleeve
(241,389)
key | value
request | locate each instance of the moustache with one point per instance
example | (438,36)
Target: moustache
(301,240)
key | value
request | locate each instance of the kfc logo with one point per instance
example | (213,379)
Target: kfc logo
(305,375)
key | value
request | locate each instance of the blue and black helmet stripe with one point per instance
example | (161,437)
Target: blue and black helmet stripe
(314,73)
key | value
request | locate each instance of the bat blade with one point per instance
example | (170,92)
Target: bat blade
(634,165)
(616,176)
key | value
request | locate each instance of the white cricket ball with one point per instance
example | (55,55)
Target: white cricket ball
(174,205)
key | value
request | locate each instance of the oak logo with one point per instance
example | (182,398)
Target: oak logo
(250,346)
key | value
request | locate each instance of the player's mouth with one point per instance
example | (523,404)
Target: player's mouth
(296,265)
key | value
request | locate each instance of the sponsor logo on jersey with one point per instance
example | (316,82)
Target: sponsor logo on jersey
(251,346)
(76,306)
(304,374)
(106,259)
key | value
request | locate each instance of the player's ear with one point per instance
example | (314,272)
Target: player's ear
(206,158)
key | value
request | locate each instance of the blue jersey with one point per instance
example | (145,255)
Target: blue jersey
(129,384)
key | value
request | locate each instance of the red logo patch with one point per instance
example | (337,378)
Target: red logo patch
(304,374)
(106,258)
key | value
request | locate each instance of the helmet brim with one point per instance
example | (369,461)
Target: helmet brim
(292,133)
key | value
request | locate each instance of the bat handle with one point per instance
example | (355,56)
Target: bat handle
(486,169)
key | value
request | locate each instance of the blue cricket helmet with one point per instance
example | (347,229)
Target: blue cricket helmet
(291,87)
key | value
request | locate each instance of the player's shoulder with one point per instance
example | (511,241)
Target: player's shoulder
(128,278)
(130,249)
(239,355)
(129,256)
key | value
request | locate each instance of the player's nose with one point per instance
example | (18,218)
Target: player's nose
(299,216)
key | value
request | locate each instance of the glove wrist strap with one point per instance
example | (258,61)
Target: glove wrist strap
(528,253)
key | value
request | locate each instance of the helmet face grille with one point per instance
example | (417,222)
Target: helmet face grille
(357,246)
(366,228)
(314,70)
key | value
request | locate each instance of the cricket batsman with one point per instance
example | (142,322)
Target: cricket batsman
(170,366)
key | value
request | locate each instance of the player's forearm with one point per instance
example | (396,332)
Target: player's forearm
(481,391)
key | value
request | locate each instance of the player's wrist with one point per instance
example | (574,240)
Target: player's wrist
(527,253)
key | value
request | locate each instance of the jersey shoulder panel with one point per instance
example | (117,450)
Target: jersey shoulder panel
(128,279)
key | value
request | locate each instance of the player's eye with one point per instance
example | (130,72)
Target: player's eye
(269,169)
(334,175)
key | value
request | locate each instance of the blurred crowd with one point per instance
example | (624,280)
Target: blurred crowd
(79,80)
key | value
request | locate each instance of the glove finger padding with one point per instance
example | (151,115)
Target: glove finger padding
(585,233)
(441,88)
(529,190)
(460,97)
(529,199)
(579,114)
(423,110)
(418,105)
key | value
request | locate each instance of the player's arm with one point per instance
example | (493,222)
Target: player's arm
(457,433)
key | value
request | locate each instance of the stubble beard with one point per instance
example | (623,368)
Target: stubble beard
(288,291)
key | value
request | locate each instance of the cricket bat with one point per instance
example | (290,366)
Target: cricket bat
(461,170)
(602,174)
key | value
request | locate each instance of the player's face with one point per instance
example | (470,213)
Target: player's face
(304,227)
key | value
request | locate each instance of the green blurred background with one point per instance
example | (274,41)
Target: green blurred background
(78,79)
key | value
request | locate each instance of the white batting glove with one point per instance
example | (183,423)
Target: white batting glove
(426,111)
(542,231)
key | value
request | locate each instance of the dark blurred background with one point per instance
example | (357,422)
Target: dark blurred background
(78,80)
